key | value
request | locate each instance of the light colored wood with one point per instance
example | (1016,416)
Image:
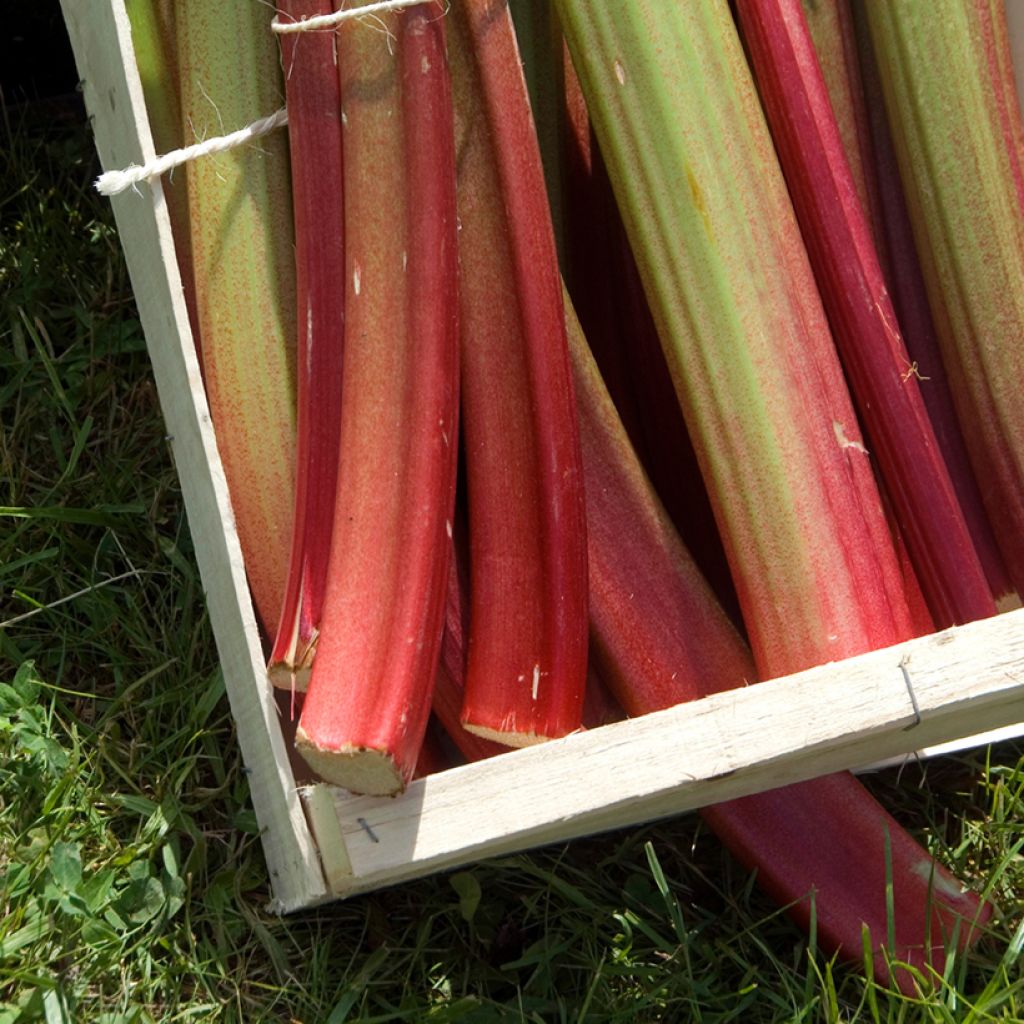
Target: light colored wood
(834,717)
(837,716)
(101,38)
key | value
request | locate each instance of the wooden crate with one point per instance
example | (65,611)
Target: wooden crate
(321,842)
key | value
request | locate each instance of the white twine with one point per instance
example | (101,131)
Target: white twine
(325,21)
(112,183)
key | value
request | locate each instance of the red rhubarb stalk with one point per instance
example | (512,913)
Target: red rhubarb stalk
(608,296)
(661,638)
(369,693)
(910,298)
(842,252)
(599,706)
(314,136)
(955,123)
(450,688)
(527,533)
(832,27)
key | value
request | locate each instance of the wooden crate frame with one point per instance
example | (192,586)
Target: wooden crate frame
(323,843)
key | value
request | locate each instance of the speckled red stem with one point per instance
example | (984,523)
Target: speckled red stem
(609,299)
(369,694)
(527,531)
(314,136)
(906,283)
(832,27)
(450,687)
(838,238)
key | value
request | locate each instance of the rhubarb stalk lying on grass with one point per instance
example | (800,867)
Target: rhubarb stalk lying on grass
(838,237)
(746,338)
(661,638)
(527,533)
(953,112)
(369,693)
(241,231)
(314,135)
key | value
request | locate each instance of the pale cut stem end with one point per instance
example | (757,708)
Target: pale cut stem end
(285,676)
(1008,602)
(292,671)
(508,739)
(357,769)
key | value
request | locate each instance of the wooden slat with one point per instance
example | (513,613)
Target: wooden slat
(838,716)
(101,38)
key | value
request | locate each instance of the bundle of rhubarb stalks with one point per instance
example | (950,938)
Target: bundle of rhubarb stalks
(694,363)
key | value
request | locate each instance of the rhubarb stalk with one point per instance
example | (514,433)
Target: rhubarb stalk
(241,233)
(154,40)
(661,639)
(832,27)
(450,687)
(314,135)
(369,694)
(953,112)
(527,533)
(746,338)
(839,240)
(743,329)
(906,283)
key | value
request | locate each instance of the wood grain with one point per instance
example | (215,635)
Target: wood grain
(838,716)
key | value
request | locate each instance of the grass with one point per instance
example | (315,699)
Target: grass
(132,885)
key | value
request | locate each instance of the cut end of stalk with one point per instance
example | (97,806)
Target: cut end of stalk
(287,676)
(291,664)
(506,737)
(358,769)
(1008,602)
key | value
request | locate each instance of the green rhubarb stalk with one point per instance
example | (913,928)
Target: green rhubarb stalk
(242,251)
(365,712)
(527,531)
(906,283)
(743,329)
(956,128)
(154,39)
